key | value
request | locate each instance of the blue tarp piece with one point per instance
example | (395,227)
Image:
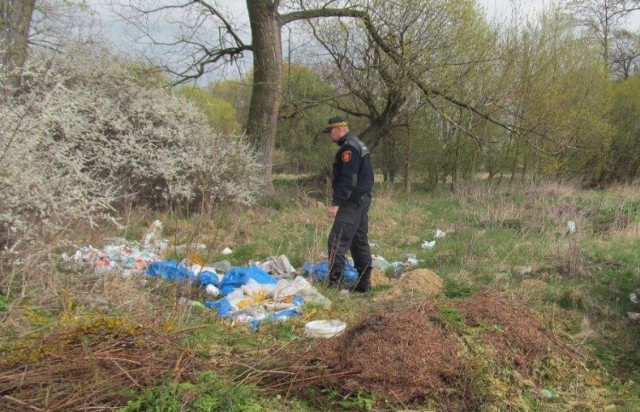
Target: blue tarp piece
(319,272)
(208,278)
(169,270)
(222,306)
(239,276)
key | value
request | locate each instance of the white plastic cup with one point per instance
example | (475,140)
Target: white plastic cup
(212,290)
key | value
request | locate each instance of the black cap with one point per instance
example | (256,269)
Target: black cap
(335,121)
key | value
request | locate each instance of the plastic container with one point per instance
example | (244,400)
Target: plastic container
(324,328)
(212,290)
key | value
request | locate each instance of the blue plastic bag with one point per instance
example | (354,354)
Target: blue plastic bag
(222,306)
(319,272)
(239,276)
(169,270)
(208,278)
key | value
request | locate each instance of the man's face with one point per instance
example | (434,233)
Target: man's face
(336,133)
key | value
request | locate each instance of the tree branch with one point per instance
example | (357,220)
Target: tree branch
(224,21)
(316,13)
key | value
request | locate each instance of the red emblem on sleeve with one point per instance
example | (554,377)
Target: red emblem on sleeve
(346,156)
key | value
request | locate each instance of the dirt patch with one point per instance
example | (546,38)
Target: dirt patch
(406,357)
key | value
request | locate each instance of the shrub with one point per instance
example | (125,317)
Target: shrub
(87,134)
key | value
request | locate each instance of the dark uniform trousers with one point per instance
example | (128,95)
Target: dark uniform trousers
(350,232)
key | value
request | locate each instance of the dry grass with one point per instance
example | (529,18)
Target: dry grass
(89,364)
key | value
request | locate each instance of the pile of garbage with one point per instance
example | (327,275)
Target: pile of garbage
(119,256)
(263,291)
(266,291)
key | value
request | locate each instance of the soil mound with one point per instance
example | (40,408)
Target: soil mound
(404,356)
(517,337)
(418,282)
(421,280)
(378,278)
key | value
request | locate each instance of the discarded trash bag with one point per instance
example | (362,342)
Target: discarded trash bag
(378,262)
(208,278)
(299,287)
(319,272)
(252,288)
(223,266)
(291,312)
(212,290)
(222,306)
(281,315)
(279,267)
(169,270)
(239,276)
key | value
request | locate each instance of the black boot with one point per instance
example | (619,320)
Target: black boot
(334,281)
(364,281)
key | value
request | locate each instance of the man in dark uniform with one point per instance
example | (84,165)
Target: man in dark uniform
(350,201)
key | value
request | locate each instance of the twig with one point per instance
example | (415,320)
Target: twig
(398,399)
(312,378)
(175,369)
(126,373)
(180,331)
(18,401)
(116,359)
(247,373)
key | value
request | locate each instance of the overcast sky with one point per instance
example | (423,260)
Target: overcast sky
(117,33)
(121,38)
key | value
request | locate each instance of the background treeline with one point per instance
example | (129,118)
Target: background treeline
(438,93)
(533,100)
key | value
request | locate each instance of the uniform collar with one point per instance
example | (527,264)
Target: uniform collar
(343,139)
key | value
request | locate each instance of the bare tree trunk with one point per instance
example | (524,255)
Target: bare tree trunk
(407,176)
(15,22)
(267,81)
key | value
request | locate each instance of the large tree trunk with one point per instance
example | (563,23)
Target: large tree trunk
(15,22)
(267,80)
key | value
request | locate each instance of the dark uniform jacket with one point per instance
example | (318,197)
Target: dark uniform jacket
(352,171)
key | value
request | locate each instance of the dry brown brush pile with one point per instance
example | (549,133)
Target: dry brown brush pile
(450,355)
(91,365)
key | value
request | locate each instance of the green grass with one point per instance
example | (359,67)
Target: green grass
(4,304)
(490,233)
(209,393)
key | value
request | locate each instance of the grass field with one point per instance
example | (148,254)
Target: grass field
(568,256)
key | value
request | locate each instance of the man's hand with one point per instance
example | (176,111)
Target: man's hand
(332,211)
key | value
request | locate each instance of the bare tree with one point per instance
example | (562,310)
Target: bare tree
(625,54)
(441,43)
(15,21)
(602,18)
(211,37)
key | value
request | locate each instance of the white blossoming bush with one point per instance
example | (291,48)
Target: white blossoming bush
(86,135)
